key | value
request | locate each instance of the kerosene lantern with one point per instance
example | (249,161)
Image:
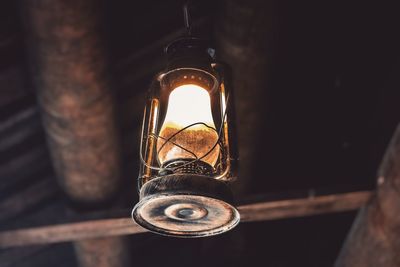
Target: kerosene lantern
(187,147)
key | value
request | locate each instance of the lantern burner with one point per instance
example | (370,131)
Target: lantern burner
(187,166)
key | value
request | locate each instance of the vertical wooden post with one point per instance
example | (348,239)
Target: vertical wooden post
(241,34)
(69,68)
(68,65)
(374,239)
(103,252)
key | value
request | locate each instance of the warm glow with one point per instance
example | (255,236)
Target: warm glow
(188,104)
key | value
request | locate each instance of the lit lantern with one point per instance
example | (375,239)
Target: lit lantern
(187,157)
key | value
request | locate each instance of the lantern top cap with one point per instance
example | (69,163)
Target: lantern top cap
(188,43)
(189,52)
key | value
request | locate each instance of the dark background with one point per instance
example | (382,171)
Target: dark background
(331,105)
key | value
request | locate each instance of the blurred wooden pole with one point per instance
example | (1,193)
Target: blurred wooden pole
(77,106)
(374,239)
(69,68)
(242,35)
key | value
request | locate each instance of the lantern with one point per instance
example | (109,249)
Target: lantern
(187,154)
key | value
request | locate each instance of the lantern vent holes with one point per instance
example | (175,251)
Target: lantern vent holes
(182,76)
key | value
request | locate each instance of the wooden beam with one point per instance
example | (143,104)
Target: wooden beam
(374,239)
(262,211)
(273,210)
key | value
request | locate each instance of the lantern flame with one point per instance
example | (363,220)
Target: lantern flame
(188,131)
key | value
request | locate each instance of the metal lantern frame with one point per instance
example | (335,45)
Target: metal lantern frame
(188,197)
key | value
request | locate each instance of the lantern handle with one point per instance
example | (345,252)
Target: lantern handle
(187,19)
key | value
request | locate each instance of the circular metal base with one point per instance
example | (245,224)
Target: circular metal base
(189,206)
